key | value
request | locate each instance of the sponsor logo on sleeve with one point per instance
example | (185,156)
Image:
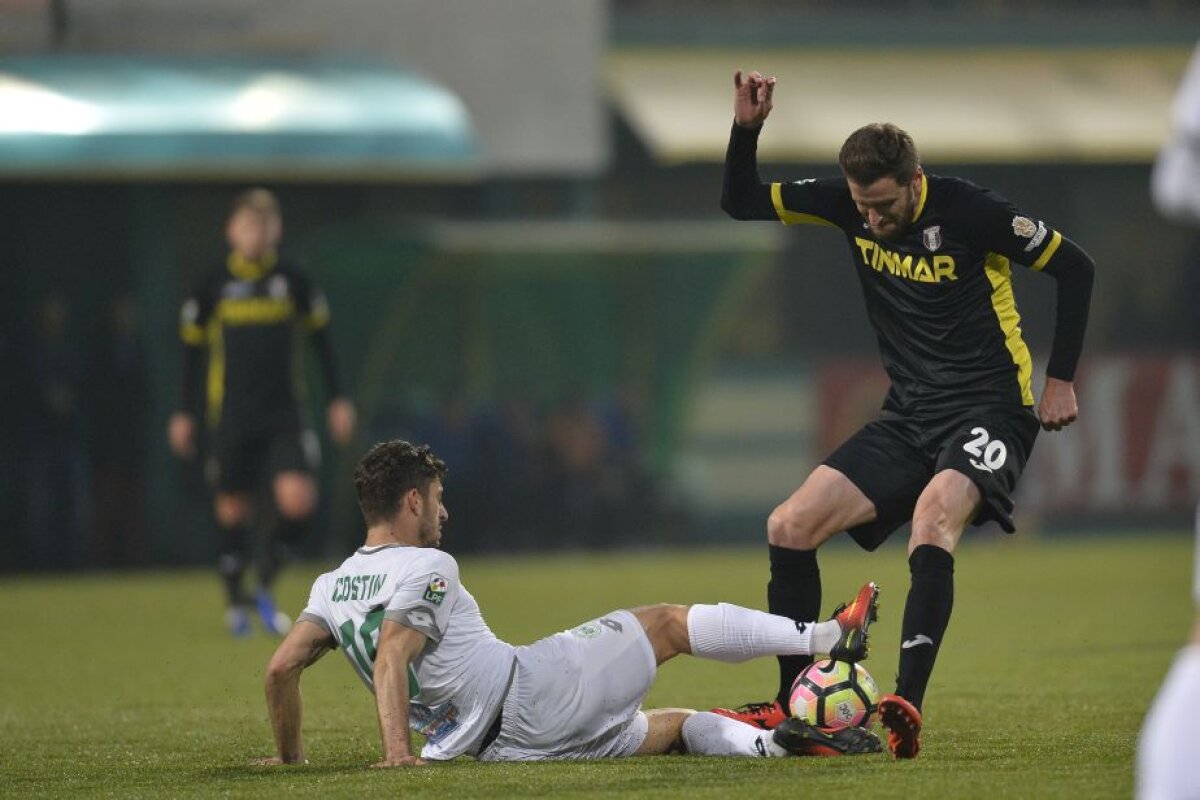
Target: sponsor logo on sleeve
(436,591)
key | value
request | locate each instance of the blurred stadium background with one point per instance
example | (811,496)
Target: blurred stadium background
(514,208)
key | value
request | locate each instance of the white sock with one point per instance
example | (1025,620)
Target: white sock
(726,632)
(708,734)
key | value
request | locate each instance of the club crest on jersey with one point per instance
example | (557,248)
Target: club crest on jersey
(436,591)
(1024,227)
(932,236)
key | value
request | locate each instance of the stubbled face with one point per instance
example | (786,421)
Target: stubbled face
(886,205)
(253,234)
(433,515)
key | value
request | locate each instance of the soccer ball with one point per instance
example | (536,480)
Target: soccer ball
(834,694)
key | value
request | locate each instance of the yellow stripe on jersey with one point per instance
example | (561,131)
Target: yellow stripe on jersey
(999,274)
(1044,258)
(255,310)
(249,270)
(216,372)
(794,217)
(921,202)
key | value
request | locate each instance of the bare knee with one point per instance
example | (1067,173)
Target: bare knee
(232,509)
(295,495)
(666,628)
(826,504)
(795,525)
(943,511)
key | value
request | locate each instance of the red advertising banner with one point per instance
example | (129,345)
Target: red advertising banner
(1135,447)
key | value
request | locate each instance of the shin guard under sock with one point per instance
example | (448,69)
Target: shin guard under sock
(794,592)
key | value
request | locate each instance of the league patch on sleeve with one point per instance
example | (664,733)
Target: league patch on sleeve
(436,591)
(1023,227)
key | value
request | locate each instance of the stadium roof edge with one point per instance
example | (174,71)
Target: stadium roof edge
(150,117)
(962,104)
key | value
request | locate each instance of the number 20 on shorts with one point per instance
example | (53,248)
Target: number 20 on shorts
(989,454)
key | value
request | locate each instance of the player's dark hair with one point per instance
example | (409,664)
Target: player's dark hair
(879,150)
(258,199)
(389,471)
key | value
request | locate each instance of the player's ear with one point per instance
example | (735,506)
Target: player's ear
(412,501)
(918,176)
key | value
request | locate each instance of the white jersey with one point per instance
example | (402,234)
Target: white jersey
(457,682)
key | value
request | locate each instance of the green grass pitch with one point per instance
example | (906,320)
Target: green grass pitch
(127,686)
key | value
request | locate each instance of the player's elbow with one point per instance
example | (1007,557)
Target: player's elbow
(282,669)
(1072,265)
(731,206)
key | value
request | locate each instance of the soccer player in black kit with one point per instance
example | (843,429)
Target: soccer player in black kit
(933,256)
(247,315)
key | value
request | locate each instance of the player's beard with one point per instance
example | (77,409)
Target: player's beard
(897,226)
(429,534)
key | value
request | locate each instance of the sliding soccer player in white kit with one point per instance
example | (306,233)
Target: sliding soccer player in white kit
(415,636)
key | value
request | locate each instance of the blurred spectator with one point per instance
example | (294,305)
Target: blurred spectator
(12,441)
(119,396)
(59,496)
(573,478)
(513,459)
(449,429)
(578,451)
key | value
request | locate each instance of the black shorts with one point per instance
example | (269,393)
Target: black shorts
(893,458)
(243,462)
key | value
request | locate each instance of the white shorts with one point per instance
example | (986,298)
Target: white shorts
(578,694)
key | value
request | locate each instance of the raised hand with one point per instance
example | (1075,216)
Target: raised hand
(751,98)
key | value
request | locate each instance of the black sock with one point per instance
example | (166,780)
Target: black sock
(794,592)
(278,549)
(231,564)
(926,615)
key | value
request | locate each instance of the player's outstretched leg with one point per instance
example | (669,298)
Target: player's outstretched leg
(802,739)
(231,566)
(854,618)
(274,621)
(850,625)
(903,722)
(765,715)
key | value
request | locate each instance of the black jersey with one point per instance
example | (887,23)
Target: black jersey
(940,295)
(249,317)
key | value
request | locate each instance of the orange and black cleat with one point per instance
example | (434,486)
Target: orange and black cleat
(767,715)
(855,618)
(903,722)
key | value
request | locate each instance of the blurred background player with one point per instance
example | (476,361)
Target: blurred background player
(246,315)
(417,639)
(1167,768)
(932,255)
